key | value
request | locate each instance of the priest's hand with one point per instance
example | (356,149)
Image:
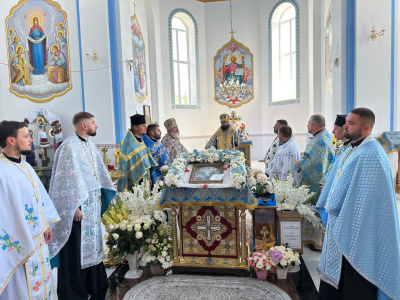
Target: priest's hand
(48,235)
(78,215)
(298,165)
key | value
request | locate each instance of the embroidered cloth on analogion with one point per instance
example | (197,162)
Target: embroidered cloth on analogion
(135,161)
(391,139)
(208,196)
(358,208)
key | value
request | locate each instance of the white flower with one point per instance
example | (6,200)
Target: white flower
(139,235)
(252,181)
(137,227)
(164,168)
(283,262)
(122,226)
(111,227)
(129,227)
(262,178)
(115,236)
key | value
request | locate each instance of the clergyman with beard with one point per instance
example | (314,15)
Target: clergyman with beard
(81,190)
(157,150)
(135,159)
(225,137)
(171,140)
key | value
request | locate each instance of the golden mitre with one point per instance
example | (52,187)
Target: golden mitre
(170,123)
(224,117)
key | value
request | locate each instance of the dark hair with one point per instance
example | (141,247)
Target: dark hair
(150,128)
(366,115)
(286,131)
(319,120)
(282,122)
(7,129)
(81,116)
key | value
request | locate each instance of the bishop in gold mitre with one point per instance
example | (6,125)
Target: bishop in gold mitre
(225,137)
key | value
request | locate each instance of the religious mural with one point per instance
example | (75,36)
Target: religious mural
(233,63)
(139,60)
(38,50)
(328,50)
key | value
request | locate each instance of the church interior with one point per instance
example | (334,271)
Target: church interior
(256,61)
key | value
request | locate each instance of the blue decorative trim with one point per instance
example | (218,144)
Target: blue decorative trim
(171,60)
(350,54)
(112,26)
(78,16)
(392,96)
(292,101)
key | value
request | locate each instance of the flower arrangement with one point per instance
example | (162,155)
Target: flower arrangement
(133,218)
(164,170)
(290,197)
(159,248)
(283,256)
(336,143)
(260,184)
(260,260)
(238,170)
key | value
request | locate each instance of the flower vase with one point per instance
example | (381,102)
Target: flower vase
(133,272)
(262,274)
(281,273)
(157,270)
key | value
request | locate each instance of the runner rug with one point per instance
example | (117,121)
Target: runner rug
(194,287)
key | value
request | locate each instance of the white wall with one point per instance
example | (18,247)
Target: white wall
(372,61)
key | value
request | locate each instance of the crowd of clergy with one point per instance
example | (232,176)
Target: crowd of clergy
(353,185)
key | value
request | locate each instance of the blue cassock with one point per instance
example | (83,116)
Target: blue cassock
(358,207)
(159,154)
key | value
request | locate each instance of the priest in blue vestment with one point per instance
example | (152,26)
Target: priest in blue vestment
(318,155)
(157,150)
(171,140)
(338,132)
(81,190)
(135,158)
(361,252)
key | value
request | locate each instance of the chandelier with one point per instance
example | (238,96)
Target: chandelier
(231,88)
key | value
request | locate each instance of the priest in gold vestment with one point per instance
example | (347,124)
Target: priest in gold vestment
(225,137)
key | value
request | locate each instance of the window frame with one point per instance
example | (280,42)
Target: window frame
(192,93)
(278,23)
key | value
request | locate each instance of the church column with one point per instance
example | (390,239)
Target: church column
(112,23)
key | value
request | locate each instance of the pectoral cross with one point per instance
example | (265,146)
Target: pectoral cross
(264,232)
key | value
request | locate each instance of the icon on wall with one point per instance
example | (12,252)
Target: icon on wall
(38,50)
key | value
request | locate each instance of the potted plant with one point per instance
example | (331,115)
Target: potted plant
(131,221)
(158,254)
(282,257)
(261,263)
(260,184)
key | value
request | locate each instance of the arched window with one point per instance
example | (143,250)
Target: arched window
(284,53)
(184,62)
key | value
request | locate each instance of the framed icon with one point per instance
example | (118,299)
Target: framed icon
(207,173)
